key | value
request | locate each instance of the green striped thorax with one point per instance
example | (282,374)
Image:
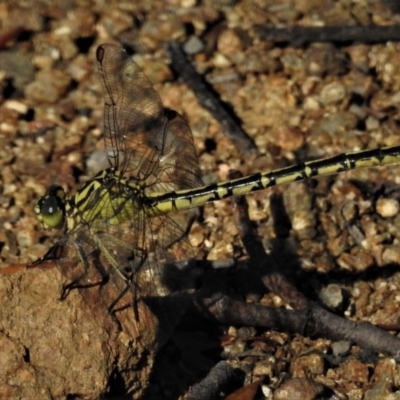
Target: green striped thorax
(106,197)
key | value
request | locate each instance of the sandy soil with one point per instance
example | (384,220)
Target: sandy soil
(338,236)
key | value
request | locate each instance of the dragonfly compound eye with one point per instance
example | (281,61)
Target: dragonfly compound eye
(50,209)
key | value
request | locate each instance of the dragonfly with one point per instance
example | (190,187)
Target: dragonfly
(126,216)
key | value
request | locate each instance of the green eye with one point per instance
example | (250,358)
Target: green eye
(50,209)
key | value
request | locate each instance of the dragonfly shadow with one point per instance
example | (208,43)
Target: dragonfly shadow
(283,258)
(247,280)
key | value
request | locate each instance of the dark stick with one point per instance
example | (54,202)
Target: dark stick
(325,324)
(312,321)
(209,99)
(215,382)
(234,312)
(299,35)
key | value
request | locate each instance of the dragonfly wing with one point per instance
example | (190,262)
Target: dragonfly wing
(133,111)
(142,139)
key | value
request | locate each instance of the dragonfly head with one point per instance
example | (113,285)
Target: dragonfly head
(50,209)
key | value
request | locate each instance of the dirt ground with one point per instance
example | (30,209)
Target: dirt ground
(337,238)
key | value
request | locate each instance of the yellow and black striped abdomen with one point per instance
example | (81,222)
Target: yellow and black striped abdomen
(184,199)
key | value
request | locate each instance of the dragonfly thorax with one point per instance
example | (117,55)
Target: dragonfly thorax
(108,198)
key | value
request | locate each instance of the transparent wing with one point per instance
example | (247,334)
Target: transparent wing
(133,112)
(140,138)
(178,166)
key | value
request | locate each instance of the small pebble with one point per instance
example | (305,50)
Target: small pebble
(231,41)
(355,371)
(288,138)
(391,254)
(341,348)
(17,106)
(193,45)
(333,93)
(331,296)
(312,363)
(302,220)
(387,208)
(299,389)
